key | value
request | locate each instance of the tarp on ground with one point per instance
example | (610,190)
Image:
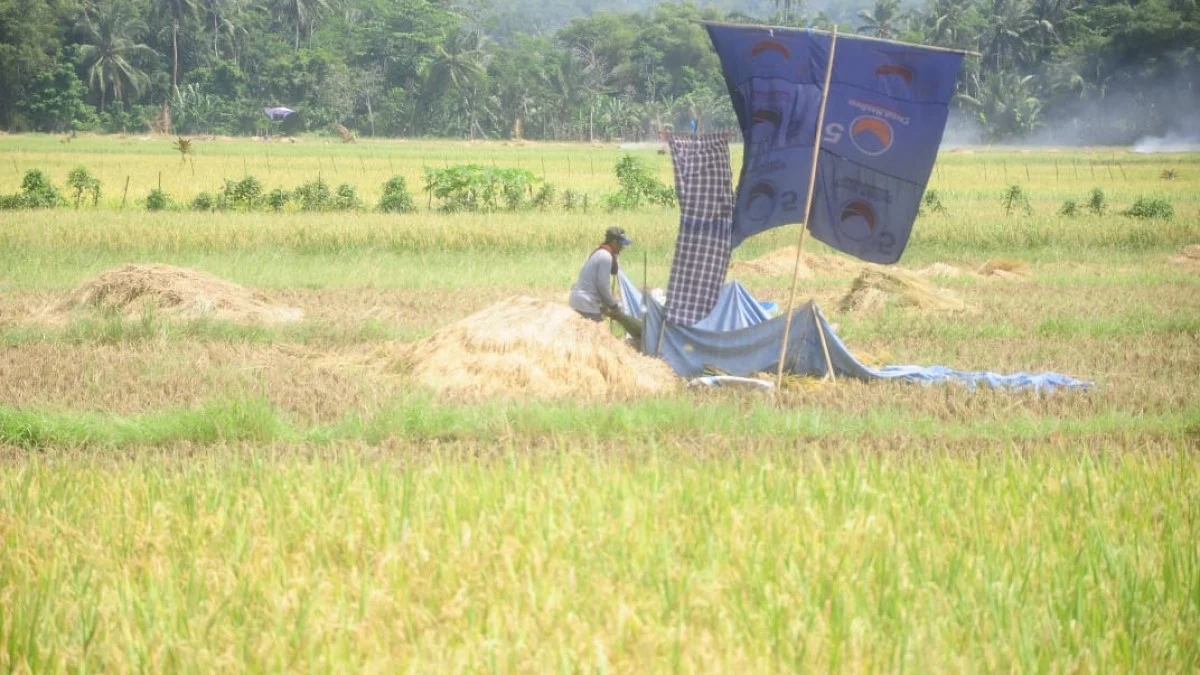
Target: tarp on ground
(739,338)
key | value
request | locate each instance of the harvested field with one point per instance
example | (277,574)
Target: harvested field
(1188,255)
(1005,268)
(131,290)
(525,348)
(781,263)
(940,269)
(876,287)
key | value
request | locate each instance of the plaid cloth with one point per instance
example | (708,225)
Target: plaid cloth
(704,187)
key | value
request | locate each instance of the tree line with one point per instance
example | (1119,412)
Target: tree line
(1106,71)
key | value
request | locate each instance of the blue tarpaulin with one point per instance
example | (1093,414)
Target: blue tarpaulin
(738,338)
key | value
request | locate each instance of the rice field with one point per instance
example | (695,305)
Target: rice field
(195,494)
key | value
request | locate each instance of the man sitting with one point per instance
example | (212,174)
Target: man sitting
(592,294)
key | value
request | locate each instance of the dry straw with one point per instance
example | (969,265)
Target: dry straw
(1188,255)
(176,291)
(525,348)
(876,287)
(1005,268)
(780,263)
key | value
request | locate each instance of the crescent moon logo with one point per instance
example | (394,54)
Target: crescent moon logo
(894,69)
(871,135)
(857,221)
(764,46)
(760,202)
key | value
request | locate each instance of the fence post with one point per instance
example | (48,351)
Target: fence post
(125,193)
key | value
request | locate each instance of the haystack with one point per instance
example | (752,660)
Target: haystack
(876,287)
(175,291)
(781,263)
(525,348)
(1005,268)
(1188,255)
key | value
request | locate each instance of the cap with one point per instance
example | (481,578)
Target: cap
(616,234)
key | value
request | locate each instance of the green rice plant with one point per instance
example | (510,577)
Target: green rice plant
(396,198)
(1152,207)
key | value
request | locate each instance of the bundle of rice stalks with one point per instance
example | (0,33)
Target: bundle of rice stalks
(345,134)
(782,262)
(1188,255)
(876,287)
(1005,268)
(175,291)
(525,348)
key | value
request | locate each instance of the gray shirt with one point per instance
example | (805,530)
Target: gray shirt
(593,290)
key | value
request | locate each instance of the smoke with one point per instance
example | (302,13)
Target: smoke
(962,130)
(1172,142)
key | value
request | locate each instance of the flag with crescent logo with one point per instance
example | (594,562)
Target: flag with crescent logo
(884,117)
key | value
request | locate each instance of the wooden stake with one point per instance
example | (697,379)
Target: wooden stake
(812,181)
(824,345)
(125,193)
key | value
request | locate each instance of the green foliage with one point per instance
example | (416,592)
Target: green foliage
(544,197)
(37,192)
(472,187)
(277,199)
(396,198)
(639,187)
(1097,203)
(313,195)
(1069,209)
(346,198)
(1015,198)
(205,201)
(932,202)
(157,200)
(82,181)
(572,200)
(245,194)
(1152,207)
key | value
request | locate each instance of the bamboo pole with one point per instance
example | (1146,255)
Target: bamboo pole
(824,346)
(812,180)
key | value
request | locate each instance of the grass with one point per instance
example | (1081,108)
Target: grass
(201,495)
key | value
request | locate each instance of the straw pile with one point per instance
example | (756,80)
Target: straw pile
(1005,268)
(1188,255)
(782,262)
(940,269)
(174,291)
(876,287)
(524,348)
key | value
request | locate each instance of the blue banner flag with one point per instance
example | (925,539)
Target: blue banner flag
(884,117)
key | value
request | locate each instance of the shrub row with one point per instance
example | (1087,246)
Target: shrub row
(462,188)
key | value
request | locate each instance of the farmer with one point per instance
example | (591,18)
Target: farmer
(592,295)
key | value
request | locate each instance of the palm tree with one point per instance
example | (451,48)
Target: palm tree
(786,6)
(882,21)
(176,12)
(458,68)
(1011,32)
(300,13)
(112,49)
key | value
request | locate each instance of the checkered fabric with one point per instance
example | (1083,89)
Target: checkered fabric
(704,187)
